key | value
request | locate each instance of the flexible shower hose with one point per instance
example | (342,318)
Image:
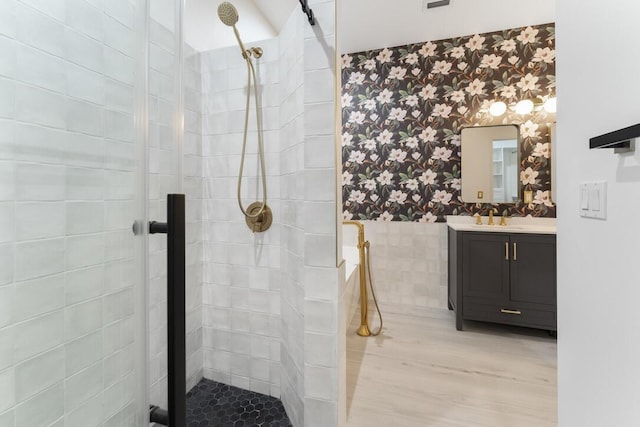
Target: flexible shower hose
(373,293)
(251,72)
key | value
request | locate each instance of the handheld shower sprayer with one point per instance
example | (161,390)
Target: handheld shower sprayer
(258,215)
(228,14)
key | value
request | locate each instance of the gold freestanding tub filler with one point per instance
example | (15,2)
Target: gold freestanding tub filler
(364,267)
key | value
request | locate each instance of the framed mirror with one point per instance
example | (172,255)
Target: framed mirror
(490,158)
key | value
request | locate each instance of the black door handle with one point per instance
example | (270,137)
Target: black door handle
(174,228)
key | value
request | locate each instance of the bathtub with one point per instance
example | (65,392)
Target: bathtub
(352,282)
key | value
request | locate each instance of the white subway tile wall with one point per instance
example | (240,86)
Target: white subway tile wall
(66,169)
(292,234)
(416,277)
(321,406)
(174,168)
(241,297)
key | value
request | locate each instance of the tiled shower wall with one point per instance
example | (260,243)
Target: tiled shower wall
(174,168)
(67,182)
(270,300)
(241,294)
(292,229)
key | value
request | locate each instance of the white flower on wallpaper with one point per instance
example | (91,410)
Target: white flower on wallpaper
(357,117)
(441,153)
(411,59)
(547,55)
(441,110)
(385,216)
(347,139)
(357,78)
(508,45)
(428,92)
(411,100)
(397,196)
(370,104)
(346,100)
(347,178)
(475,43)
(385,178)
(428,177)
(411,142)
(385,97)
(457,96)
(441,67)
(397,155)
(370,64)
(347,61)
(441,196)
(529,129)
(357,157)
(428,49)
(384,56)
(528,83)
(476,87)
(491,61)
(508,92)
(528,35)
(542,197)
(397,73)
(397,114)
(528,176)
(369,184)
(357,196)
(385,137)
(542,150)
(412,184)
(428,218)
(370,144)
(428,134)
(457,52)
(403,109)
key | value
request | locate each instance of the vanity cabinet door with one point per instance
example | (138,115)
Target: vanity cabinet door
(533,269)
(485,266)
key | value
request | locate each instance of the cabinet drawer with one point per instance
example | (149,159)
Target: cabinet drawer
(509,313)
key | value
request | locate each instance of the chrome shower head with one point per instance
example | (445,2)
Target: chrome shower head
(228,14)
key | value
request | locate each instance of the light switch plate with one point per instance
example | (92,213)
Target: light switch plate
(593,200)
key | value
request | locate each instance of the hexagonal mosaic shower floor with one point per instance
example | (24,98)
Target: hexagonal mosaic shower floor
(215,404)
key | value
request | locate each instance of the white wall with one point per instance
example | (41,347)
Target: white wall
(598,292)
(374,24)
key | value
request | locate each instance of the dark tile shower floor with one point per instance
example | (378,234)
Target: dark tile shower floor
(214,404)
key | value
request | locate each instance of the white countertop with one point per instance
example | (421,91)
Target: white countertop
(529,225)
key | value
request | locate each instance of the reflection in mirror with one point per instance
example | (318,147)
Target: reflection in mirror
(489,164)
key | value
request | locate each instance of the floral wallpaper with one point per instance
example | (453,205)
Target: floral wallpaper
(403,108)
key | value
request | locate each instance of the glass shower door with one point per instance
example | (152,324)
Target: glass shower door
(72,181)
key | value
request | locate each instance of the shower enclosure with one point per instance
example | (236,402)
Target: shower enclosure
(104,111)
(90,142)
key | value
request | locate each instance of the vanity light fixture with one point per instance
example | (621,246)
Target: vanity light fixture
(550,105)
(525,106)
(498,108)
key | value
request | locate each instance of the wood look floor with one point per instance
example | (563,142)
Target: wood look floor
(422,372)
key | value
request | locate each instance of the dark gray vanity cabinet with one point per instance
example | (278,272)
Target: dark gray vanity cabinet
(503,277)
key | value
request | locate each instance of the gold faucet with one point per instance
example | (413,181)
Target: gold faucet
(503,220)
(478,219)
(491,211)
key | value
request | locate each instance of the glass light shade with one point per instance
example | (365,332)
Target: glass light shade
(550,105)
(524,107)
(498,108)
